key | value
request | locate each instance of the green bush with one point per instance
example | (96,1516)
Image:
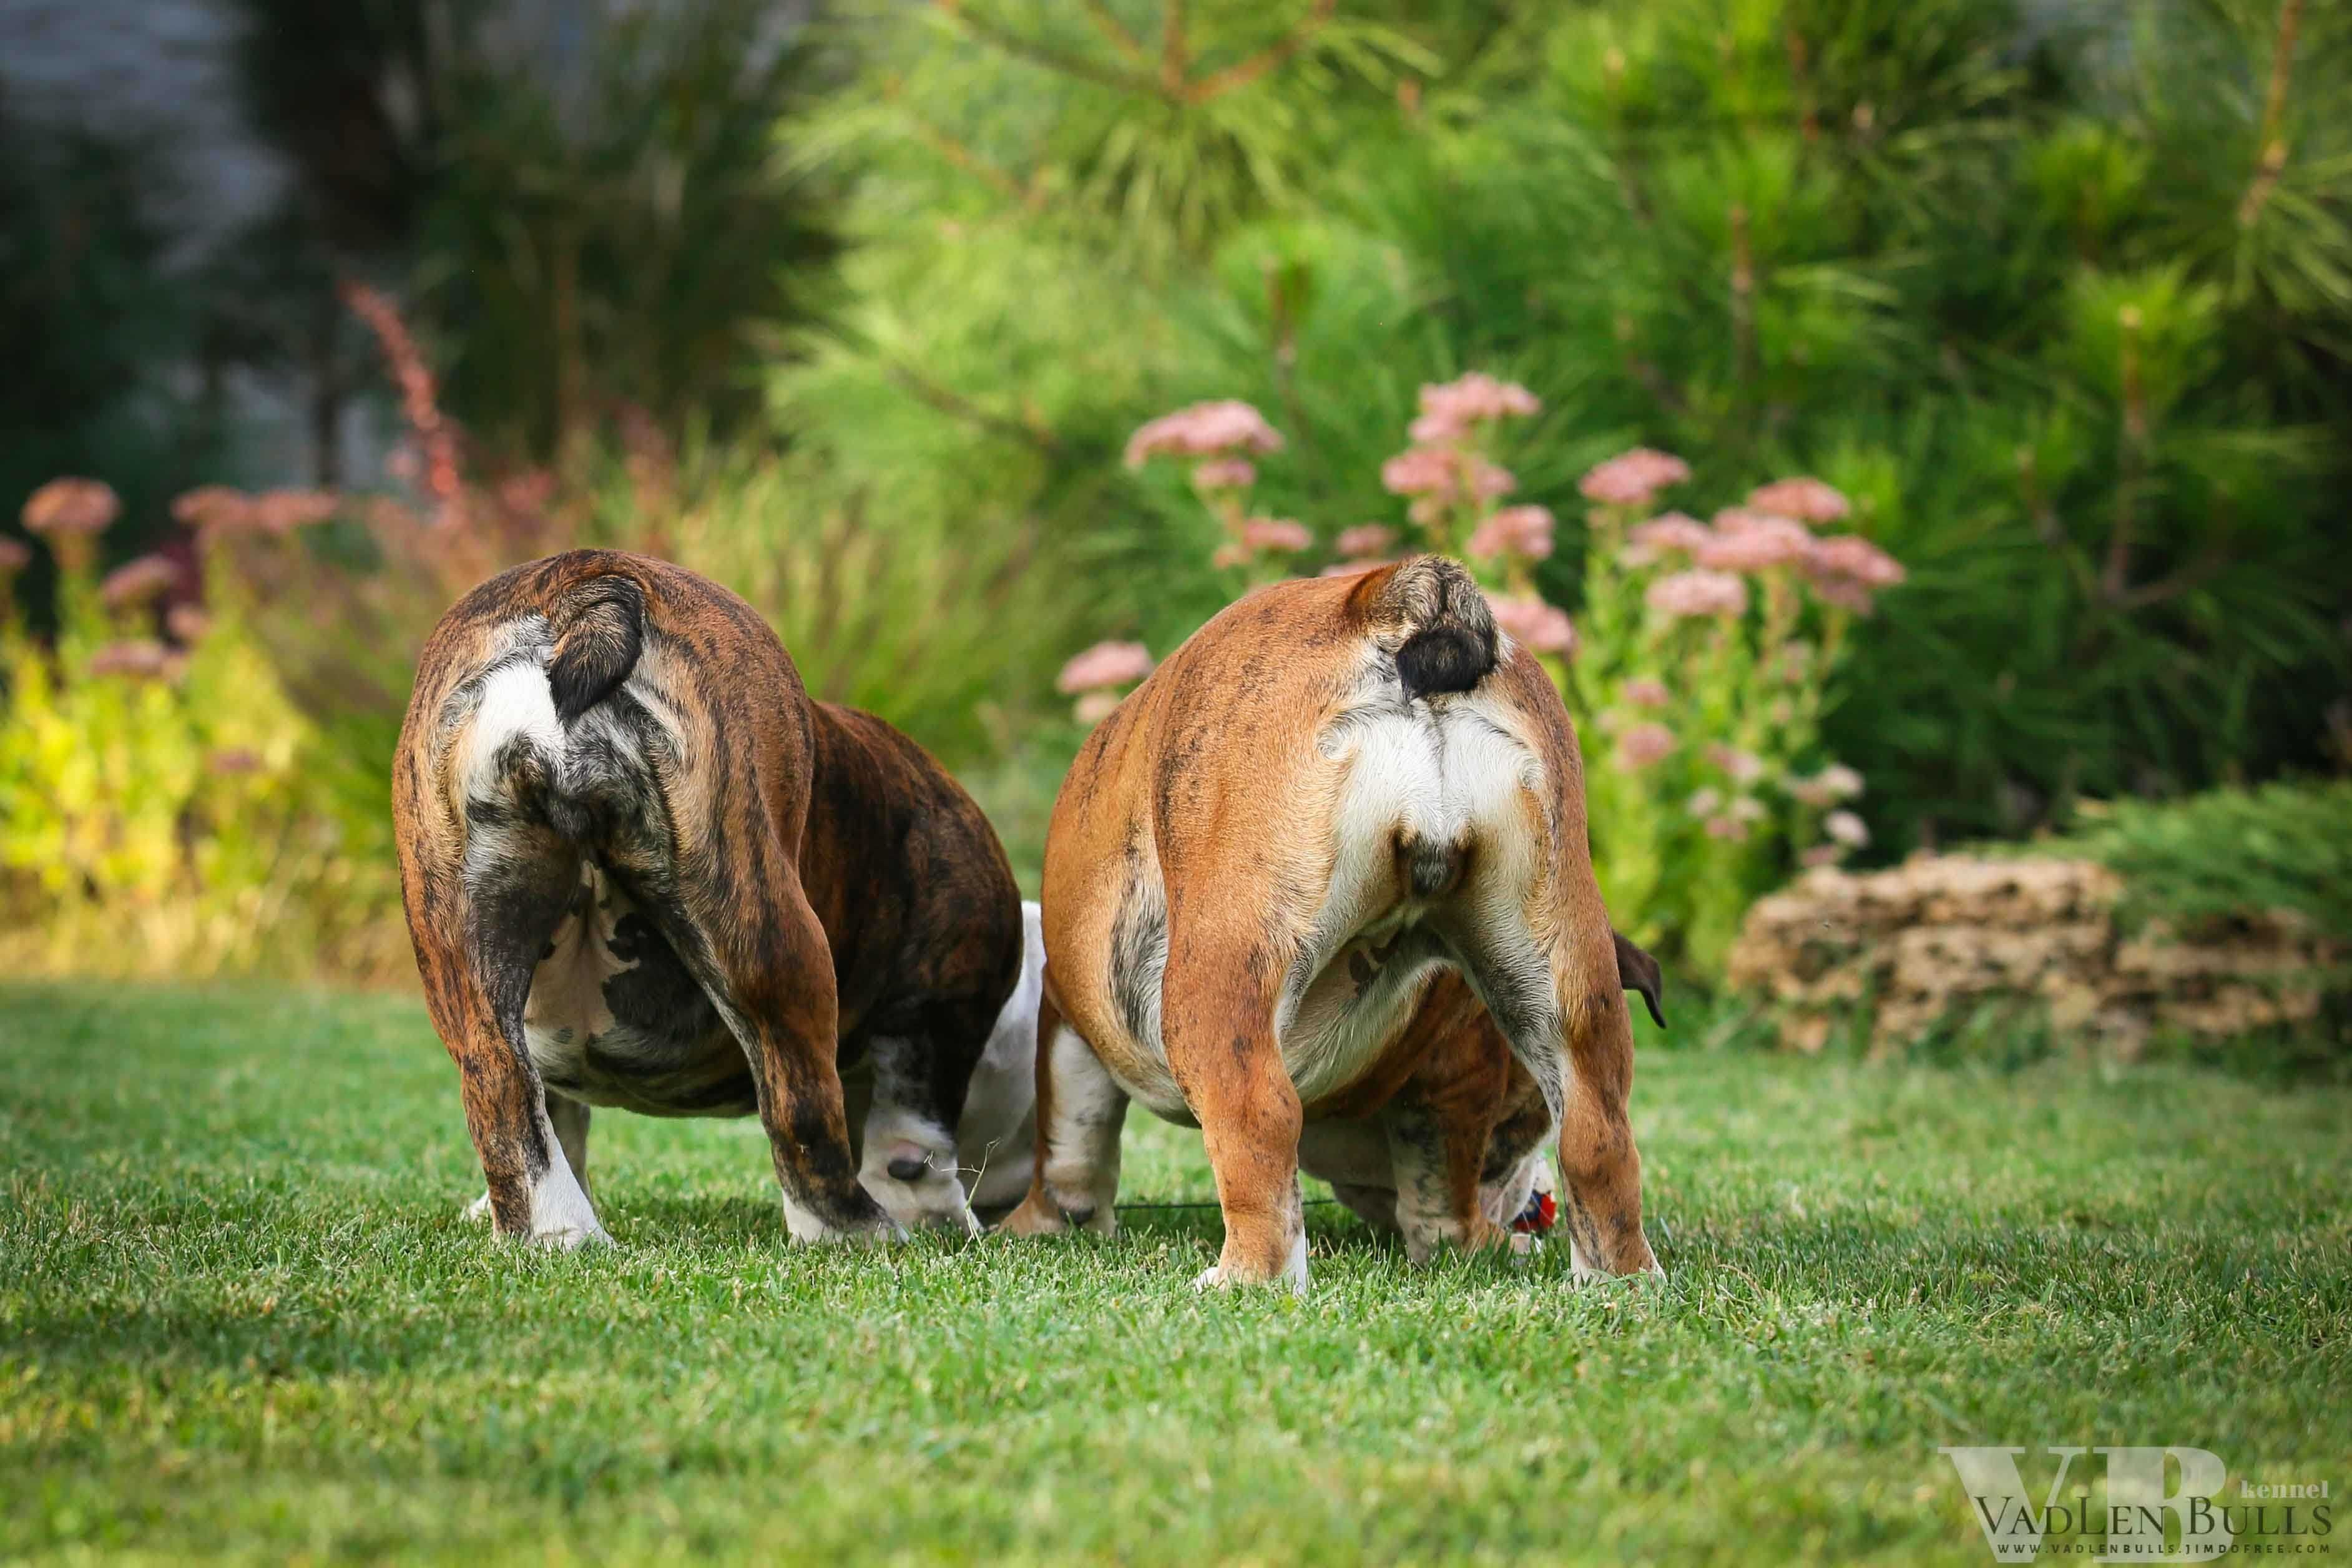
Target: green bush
(2228,852)
(2059,304)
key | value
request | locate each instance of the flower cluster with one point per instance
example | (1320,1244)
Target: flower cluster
(1204,430)
(1632,478)
(1541,626)
(1098,677)
(1446,472)
(1213,436)
(1454,411)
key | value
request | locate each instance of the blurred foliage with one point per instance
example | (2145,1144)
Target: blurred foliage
(1923,251)
(167,814)
(2227,852)
(586,234)
(94,316)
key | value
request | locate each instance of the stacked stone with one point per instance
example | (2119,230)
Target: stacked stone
(1941,934)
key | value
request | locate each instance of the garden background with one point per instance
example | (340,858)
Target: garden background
(1915,434)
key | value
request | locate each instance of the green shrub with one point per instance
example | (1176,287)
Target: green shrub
(164,808)
(2228,852)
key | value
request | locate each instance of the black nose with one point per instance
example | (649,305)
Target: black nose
(908,1168)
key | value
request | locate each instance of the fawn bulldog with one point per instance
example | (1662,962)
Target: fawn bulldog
(643,869)
(1256,871)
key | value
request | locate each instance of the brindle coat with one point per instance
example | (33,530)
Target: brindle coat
(643,869)
(1257,868)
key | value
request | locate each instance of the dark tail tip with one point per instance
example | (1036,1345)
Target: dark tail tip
(599,628)
(1445,657)
(1450,640)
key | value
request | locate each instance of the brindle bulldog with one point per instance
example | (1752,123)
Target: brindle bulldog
(1257,868)
(643,869)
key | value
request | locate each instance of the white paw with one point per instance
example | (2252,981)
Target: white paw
(1582,1272)
(479,1211)
(571,1237)
(1293,1271)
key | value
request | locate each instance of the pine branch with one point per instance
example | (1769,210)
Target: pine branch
(1107,21)
(2132,451)
(2273,158)
(962,155)
(1743,290)
(949,401)
(1174,62)
(2209,562)
(1265,60)
(1026,49)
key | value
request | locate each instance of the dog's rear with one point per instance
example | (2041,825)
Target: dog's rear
(1259,863)
(547,730)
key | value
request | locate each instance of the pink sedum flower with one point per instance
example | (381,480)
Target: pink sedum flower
(1727,827)
(1542,627)
(1748,540)
(142,658)
(1744,767)
(140,581)
(1644,692)
(1643,745)
(1452,410)
(215,509)
(1444,472)
(187,623)
(1365,541)
(1703,801)
(1857,560)
(1632,479)
(234,761)
(1094,707)
(71,508)
(1822,854)
(1804,498)
(1350,568)
(1846,828)
(15,556)
(283,511)
(1696,594)
(1224,474)
(1105,665)
(1203,430)
(1648,542)
(1521,531)
(1841,779)
(1274,533)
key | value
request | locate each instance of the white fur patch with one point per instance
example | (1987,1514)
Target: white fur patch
(1450,776)
(996,1140)
(515,701)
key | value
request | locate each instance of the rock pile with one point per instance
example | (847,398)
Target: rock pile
(1941,932)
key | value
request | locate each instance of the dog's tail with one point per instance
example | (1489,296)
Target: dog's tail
(600,629)
(1449,633)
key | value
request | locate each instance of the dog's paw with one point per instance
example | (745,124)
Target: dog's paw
(479,1211)
(571,1237)
(1220,1276)
(1041,1215)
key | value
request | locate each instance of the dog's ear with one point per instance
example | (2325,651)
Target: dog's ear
(1637,971)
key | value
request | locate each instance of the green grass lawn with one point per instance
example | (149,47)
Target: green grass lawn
(241,1317)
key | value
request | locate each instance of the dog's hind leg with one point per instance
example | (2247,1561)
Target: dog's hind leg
(760,954)
(1080,1112)
(570,1120)
(1217,1023)
(477,960)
